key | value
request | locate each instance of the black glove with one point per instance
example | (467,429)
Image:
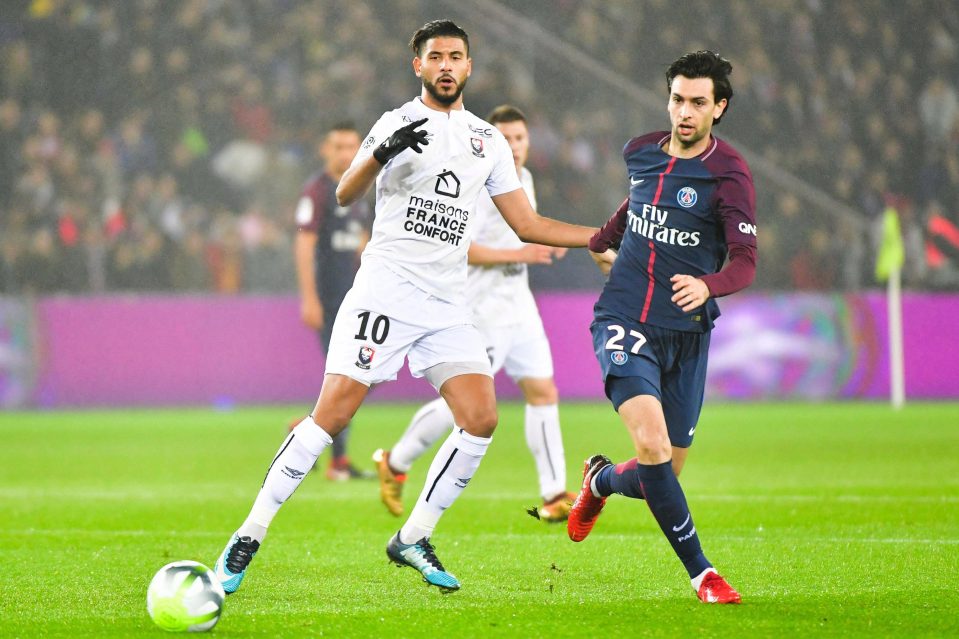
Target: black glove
(402,138)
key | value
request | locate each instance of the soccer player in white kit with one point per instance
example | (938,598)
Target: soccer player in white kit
(506,315)
(430,159)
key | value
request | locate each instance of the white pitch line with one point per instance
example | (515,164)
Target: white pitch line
(773,538)
(215,492)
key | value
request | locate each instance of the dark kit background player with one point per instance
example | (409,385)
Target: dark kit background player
(691,205)
(327,251)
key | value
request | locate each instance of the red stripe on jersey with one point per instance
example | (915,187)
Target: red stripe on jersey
(659,189)
(649,288)
(652,247)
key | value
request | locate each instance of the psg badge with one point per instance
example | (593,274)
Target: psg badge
(365,357)
(686,197)
(618,357)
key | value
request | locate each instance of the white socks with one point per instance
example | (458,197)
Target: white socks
(543,436)
(292,463)
(545,441)
(451,470)
(429,424)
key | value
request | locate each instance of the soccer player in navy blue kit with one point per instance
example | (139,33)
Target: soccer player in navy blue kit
(690,210)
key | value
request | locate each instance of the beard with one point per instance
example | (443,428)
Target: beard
(445,99)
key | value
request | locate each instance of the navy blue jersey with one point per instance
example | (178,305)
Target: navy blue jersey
(340,231)
(679,218)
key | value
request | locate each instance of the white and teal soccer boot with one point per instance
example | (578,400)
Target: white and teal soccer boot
(230,567)
(422,557)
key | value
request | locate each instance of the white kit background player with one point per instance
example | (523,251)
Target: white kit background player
(430,159)
(506,315)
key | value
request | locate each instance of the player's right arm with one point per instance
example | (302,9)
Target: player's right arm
(309,219)
(372,157)
(311,309)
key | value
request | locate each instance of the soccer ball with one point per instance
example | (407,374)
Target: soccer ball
(185,596)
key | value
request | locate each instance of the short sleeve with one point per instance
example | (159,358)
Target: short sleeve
(503,178)
(306,214)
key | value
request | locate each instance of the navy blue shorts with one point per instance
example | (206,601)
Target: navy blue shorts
(641,359)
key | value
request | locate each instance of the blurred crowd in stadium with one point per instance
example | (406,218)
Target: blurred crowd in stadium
(161,145)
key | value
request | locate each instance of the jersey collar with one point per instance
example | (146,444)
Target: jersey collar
(421,107)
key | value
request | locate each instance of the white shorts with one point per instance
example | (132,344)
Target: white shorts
(384,319)
(522,349)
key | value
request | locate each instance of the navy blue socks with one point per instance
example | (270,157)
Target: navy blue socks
(666,499)
(621,479)
(659,487)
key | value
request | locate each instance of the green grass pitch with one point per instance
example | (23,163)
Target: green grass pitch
(830,519)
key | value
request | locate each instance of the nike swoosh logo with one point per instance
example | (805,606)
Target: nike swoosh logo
(682,525)
(635,182)
(692,430)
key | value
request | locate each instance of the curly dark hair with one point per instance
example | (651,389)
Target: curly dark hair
(705,64)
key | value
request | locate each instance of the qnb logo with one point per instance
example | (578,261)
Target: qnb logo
(447,184)
(748,229)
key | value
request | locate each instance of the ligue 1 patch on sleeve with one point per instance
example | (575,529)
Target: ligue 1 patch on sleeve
(365,357)
(618,357)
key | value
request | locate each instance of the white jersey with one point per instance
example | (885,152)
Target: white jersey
(499,294)
(426,202)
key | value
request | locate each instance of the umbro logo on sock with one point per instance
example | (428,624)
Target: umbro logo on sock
(463,482)
(292,473)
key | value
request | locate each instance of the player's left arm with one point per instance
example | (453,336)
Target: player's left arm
(735,204)
(605,242)
(479,255)
(504,188)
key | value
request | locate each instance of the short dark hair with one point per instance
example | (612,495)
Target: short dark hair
(343,125)
(705,64)
(438,29)
(506,113)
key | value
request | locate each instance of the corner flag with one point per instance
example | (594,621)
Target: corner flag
(892,256)
(892,253)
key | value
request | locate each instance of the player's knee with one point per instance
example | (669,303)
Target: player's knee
(652,449)
(479,420)
(540,392)
(333,420)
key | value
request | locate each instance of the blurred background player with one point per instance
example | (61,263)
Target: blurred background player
(327,250)
(691,205)
(506,315)
(430,159)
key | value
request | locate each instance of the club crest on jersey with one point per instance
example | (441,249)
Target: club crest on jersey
(618,357)
(686,197)
(477,145)
(365,357)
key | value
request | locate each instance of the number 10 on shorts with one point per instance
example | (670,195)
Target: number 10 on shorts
(378,332)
